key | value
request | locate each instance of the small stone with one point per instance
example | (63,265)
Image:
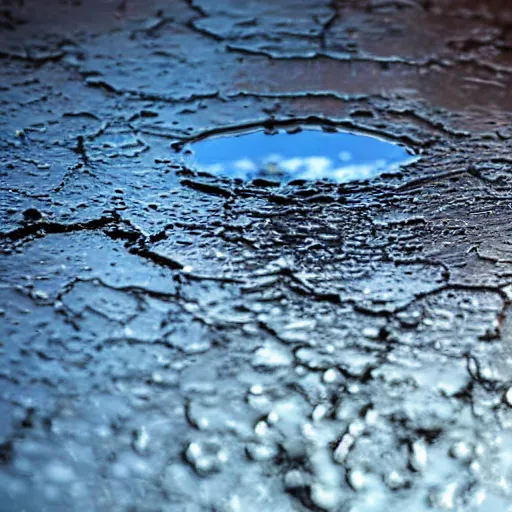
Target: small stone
(301,370)
(371,332)
(508,397)
(395,480)
(272,418)
(353,389)
(342,450)
(249,328)
(418,455)
(261,428)
(256,389)
(461,451)
(356,428)
(356,479)
(371,417)
(140,441)
(206,457)
(32,214)
(320,412)
(40,294)
(157,378)
(326,498)
(261,452)
(331,375)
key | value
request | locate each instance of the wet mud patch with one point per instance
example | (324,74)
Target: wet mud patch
(283,154)
(204,342)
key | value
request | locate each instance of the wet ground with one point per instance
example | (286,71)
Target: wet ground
(175,340)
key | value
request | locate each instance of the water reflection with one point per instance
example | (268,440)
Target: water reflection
(310,154)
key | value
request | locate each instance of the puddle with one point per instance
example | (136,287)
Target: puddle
(310,154)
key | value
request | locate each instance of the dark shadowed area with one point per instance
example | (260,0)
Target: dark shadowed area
(198,315)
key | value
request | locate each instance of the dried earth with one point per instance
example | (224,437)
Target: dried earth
(175,341)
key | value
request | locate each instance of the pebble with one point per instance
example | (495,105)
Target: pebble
(371,332)
(141,440)
(461,451)
(320,412)
(256,389)
(40,294)
(206,457)
(261,428)
(32,214)
(326,498)
(356,479)
(418,455)
(342,450)
(261,452)
(272,418)
(395,480)
(331,375)
(508,397)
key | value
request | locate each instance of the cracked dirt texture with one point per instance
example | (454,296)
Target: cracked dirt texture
(175,341)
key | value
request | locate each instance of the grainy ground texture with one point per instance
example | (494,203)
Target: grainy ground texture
(174,341)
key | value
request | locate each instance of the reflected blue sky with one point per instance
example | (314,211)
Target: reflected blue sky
(310,154)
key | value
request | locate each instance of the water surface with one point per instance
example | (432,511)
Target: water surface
(310,154)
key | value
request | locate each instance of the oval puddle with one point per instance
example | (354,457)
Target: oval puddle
(306,154)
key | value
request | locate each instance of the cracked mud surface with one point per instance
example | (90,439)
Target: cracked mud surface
(175,341)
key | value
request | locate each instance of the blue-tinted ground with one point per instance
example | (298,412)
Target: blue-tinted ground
(177,341)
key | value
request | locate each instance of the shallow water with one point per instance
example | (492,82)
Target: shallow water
(310,154)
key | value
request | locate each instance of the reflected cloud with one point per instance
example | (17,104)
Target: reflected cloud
(245,165)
